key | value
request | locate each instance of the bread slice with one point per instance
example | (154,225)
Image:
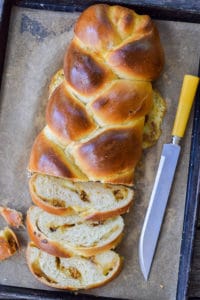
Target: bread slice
(92,200)
(11,216)
(73,273)
(8,243)
(70,235)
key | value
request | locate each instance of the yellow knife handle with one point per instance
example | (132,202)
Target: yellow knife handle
(188,91)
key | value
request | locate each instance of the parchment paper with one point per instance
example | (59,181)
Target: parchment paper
(36,45)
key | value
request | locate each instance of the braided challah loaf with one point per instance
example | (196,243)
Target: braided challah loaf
(95,117)
(101,112)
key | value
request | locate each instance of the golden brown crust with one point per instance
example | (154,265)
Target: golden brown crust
(48,158)
(83,72)
(103,34)
(153,120)
(141,58)
(138,52)
(56,80)
(67,117)
(135,101)
(112,151)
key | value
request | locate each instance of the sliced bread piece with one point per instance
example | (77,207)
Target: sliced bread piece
(92,200)
(73,273)
(8,243)
(70,235)
(11,216)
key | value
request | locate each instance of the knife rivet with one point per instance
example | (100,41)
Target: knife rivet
(176,140)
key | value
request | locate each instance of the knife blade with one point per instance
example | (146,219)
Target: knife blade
(164,177)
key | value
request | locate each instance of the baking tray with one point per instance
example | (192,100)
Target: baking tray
(185,12)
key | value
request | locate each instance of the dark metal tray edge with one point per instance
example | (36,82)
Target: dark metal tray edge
(191,204)
(187,12)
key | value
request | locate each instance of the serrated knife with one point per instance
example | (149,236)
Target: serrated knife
(164,178)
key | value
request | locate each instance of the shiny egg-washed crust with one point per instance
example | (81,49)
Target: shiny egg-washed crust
(95,115)
(74,272)
(153,120)
(127,42)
